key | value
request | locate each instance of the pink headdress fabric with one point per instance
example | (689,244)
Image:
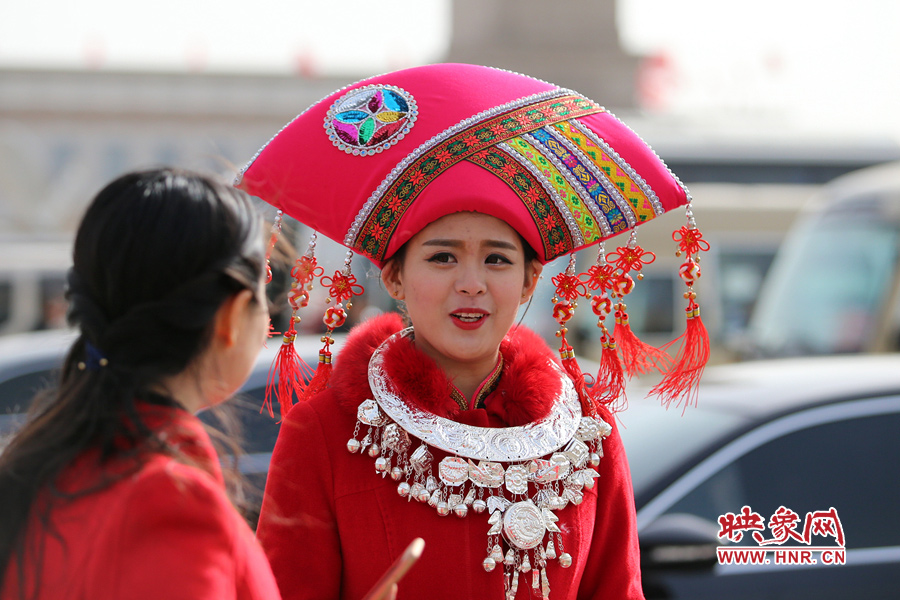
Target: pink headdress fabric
(374,163)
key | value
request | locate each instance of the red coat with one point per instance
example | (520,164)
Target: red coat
(331,526)
(166,531)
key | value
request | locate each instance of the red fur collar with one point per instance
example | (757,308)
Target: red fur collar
(525,392)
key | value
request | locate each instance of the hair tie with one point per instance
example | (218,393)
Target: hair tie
(94,359)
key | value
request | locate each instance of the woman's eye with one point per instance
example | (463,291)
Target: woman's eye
(441,257)
(497,259)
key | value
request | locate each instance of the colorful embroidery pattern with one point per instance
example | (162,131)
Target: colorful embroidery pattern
(551,224)
(563,194)
(371,119)
(384,216)
(581,174)
(634,189)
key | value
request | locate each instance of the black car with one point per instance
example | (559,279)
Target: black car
(793,441)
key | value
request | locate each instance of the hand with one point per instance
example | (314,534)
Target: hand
(386,588)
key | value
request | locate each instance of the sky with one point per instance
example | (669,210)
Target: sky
(808,63)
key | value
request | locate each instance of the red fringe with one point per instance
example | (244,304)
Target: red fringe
(682,381)
(320,380)
(639,357)
(609,389)
(286,376)
(588,409)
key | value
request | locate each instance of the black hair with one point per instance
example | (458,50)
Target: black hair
(156,255)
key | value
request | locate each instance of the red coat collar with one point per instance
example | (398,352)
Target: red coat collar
(524,393)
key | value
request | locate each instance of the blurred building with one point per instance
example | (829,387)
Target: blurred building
(63,133)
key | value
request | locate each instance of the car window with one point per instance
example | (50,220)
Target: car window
(849,465)
(16,393)
(645,428)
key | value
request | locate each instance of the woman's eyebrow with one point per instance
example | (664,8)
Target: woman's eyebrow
(446,243)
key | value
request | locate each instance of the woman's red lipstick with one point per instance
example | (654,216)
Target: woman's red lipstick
(469,318)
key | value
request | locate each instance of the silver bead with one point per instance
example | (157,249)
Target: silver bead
(403,489)
(381,464)
(374,450)
(396,473)
(416,491)
(565,560)
(526,564)
(460,510)
(442,509)
(353,445)
(595,459)
(589,483)
(489,564)
(479,505)
(497,553)
(423,495)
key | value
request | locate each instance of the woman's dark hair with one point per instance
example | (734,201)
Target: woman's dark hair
(157,253)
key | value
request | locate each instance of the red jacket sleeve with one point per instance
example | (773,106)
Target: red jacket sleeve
(176,536)
(297,526)
(613,568)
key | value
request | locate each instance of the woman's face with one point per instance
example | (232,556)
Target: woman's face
(463,278)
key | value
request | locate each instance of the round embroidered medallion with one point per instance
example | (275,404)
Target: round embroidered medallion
(370,119)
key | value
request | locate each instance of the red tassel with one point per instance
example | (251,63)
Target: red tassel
(286,375)
(683,379)
(588,409)
(638,357)
(321,378)
(609,389)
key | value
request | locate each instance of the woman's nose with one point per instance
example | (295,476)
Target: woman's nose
(471,281)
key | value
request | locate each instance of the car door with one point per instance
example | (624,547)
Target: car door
(842,456)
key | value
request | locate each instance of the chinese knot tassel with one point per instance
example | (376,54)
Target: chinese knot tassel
(321,377)
(286,375)
(609,388)
(638,357)
(682,380)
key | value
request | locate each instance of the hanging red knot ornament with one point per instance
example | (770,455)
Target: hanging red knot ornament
(288,372)
(682,381)
(637,357)
(342,287)
(568,288)
(609,386)
(273,239)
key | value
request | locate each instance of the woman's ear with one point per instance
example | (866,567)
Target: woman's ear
(392,280)
(229,318)
(532,275)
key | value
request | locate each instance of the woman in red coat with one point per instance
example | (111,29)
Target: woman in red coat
(113,489)
(463,429)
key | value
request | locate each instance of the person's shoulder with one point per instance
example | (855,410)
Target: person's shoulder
(164,480)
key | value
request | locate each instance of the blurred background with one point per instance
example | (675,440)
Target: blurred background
(756,106)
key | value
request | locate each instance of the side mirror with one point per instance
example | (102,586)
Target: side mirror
(679,541)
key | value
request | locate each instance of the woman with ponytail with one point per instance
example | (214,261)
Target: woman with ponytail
(113,489)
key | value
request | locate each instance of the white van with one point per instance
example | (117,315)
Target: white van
(32,283)
(835,284)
